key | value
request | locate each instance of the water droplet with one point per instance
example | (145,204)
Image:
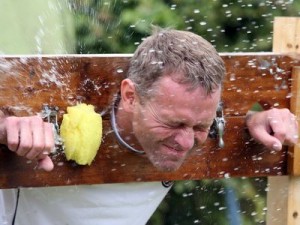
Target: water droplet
(173,7)
(120,71)
(227,175)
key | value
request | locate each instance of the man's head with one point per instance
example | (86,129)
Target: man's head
(173,51)
(171,95)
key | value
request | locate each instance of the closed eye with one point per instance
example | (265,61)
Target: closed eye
(202,129)
(175,125)
(198,128)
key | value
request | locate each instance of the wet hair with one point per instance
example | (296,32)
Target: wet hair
(169,51)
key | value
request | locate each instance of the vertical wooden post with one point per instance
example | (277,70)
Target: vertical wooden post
(286,35)
(283,198)
(294,152)
(293,214)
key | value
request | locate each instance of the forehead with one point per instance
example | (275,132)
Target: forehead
(168,88)
(177,99)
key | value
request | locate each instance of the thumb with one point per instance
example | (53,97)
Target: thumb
(46,164)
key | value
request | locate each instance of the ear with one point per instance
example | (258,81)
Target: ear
(128,94)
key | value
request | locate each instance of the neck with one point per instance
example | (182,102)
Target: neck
(120,121)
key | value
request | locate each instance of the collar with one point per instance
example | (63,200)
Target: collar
(115,129)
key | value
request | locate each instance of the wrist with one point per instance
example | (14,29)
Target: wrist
(258,107)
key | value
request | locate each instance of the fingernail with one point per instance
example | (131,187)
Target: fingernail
(276,147)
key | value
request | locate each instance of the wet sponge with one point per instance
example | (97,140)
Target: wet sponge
(81,132)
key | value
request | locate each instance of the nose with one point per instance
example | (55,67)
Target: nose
(185,138)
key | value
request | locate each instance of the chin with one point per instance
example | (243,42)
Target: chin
(168,167)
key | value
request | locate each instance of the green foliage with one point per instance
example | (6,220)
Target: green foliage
(204,202)
(118,26)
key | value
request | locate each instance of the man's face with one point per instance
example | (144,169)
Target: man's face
(170,123)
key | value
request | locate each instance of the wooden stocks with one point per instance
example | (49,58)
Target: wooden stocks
(28,83)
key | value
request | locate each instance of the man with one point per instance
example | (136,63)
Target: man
(166,107)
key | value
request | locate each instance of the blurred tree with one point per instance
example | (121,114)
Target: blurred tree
(204,202)
(117,26)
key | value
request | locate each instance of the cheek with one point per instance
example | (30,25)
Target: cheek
(164,133)
(149,130)
(201,137)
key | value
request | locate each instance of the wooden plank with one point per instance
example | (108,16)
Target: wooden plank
(59,81)
(116,164)
(29,82)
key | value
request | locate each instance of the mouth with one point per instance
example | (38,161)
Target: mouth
(174,153)
(168,158)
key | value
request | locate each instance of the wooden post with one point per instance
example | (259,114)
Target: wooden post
(294,152)
(293,214)
(286,36)
(283,198)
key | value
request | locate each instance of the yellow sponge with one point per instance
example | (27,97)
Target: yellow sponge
(81,131)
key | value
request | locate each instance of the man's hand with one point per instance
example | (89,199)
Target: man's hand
(273,128)
(30,137)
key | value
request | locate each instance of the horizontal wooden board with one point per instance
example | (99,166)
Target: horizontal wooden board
(26,83)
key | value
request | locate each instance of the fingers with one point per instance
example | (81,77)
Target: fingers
(284,126)
(32,138)
(46,164)
(48,142)
(274,128)
(13,133)
(264,137)
(26,139)
(49,136)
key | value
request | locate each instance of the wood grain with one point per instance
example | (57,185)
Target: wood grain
(26,83)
